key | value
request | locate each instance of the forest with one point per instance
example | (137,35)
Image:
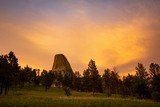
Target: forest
(145,84)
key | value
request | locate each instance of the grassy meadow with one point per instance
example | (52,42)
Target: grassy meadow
(54,97)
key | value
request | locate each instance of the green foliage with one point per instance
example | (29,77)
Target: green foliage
(156,96)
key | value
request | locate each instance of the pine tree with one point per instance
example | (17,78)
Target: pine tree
(141,81)
(95,78)
(155,77)
(86,81)
(47,79)
(77,83)
(107,82)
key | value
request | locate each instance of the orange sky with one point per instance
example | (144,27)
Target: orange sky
(113,33)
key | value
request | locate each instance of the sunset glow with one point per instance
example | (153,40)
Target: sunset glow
(117,33)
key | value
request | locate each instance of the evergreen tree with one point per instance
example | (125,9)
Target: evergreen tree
(47,79)
(77,81)
(9,70)
(141,72)
(94,77)
(36,77)
(5,74)
(114,79)
(67,80)
(107,82)
(141,82)
(14,67)
(155,77)
(86,81)
(58,79)
(128,85)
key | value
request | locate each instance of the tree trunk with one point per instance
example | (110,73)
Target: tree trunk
(93,91)
(46,88)
(5,92)
(1,89)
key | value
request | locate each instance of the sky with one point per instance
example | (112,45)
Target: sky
(114,33)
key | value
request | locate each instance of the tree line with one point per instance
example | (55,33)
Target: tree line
(144,84)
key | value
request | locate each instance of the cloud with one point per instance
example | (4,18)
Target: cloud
(113,33)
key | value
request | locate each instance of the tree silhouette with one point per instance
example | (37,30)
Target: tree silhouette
(107,81)
(155,76)
(58,79)
(77,81)
(27,75)
(141,81)
(9,70)
(37,78)
(128,85)
(94,77)
(86,81)
(67,80)
(5,74)
(141,71)
(141,85)
(14,66)
(47,79)
(114,82)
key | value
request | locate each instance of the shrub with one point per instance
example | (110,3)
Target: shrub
(67,91)
(107,93)
(156,96)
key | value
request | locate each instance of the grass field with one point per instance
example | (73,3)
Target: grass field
(37,97)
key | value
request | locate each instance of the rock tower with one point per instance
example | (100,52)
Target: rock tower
(61,65)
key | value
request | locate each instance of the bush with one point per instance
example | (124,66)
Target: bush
(67,91)
(156,96)
(107,93)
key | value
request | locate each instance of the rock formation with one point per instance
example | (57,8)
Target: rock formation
(61,65)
